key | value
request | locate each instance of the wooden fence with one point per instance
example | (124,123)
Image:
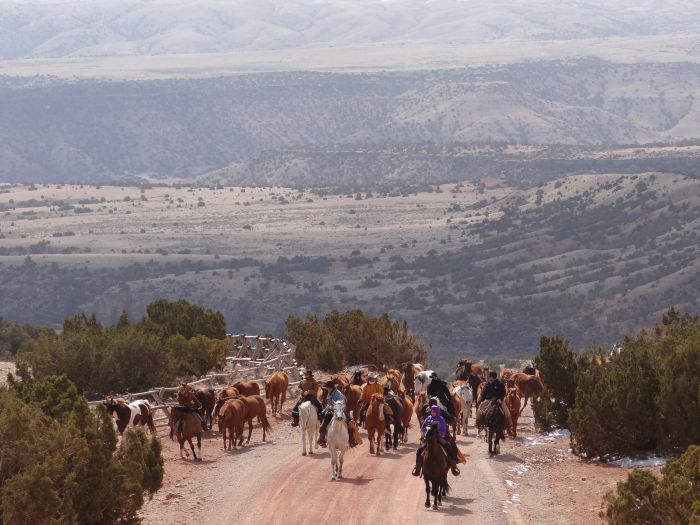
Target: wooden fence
(250,358)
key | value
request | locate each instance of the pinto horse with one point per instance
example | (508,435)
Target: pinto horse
(464,394)
(375,422)
(435,468)
(276,391)
(337,439)
(136,413)
(186,424)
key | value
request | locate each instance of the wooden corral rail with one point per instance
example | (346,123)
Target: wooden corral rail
(250,358)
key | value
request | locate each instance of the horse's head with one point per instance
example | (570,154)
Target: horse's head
(339,409)
(111,404)
(430,433)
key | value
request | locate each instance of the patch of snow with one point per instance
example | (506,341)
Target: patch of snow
(650,461)
(519,469)
(512,484)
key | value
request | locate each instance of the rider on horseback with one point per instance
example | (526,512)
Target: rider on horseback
(370,388)
(309,388)
(333,395)
(188,401)
(450,446)
(494,392)
(438,388)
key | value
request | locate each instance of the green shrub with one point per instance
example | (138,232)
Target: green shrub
(59,463)
(642,499)
(558,367)
(352,338)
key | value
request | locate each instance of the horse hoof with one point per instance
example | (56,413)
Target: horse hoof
(435,507)
(427,505)
(303,453)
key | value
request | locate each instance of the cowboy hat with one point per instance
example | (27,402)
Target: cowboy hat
(329,384)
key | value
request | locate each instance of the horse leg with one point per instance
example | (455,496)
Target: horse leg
(524,405)
(370,435)
(334,463)
(224,433)
(199,446)
(427,492)
(341,457)
(303,441)
(436,494)
(181,442)
(250,429)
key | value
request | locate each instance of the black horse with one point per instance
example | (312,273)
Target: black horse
(397,421)
(495,425)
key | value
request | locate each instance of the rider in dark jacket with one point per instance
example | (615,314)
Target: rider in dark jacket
(438,388)
(494,389)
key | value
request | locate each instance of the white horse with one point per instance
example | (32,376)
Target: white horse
(421,381)
(308,422)
(337,439)
(464,392)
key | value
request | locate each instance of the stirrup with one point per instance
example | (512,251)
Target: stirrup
(417,470)
(455,470)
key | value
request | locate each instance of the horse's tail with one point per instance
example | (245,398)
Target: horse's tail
(151,425)
(446,486)
(172,433)
(265,423)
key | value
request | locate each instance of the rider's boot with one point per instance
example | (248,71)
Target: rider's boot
(295,418)
(419,466)
(322,437)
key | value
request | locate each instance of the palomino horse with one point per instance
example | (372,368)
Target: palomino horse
(231,416)
(276,391)
(435,468)
(464,394)
(186,424)
(337,439)
(136,413)
(353,393)
(375,422)
(308,423)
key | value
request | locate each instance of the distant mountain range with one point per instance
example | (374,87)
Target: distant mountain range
(302,128)
(72,28)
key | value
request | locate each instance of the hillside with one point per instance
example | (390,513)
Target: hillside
(476,267)
(70,28)
(274,125)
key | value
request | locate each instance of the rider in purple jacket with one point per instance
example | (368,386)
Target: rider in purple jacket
(450,446)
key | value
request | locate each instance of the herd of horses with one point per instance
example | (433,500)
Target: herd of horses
(231,407)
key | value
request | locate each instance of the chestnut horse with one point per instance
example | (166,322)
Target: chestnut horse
(353,393)
(247,388)
(186,424)
(512,401)
(435,468)
(231,417)
(255,407)
(276,391)
(375,422)
(341,380)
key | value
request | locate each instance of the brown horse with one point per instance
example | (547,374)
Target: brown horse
(247,388)
(408,376)
(375,421)
(255,407)
(393,379)
(276,391)
(512,401)
(407,414)
(528,386)
(206,397)
(341,380)
(435,468)
(231,417)
(457,407)
(353,393)
(419,408)
(186,424)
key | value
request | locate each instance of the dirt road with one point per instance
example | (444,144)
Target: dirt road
(534,480)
